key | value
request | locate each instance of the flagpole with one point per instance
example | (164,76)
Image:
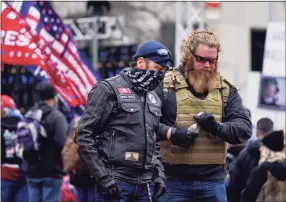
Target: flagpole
(94,45)
(94,50)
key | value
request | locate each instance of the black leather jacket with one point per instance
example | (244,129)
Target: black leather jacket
(117,133)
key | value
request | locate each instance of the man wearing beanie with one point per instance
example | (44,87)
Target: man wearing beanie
(117,133)
(45,173)
(267,181)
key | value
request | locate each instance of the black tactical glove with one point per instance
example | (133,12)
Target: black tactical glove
(159,188)
(109,188)
(182,137)
(208,123)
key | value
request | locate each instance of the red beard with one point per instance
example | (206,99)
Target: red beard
(202,80)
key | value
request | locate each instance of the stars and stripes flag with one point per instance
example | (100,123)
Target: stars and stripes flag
(70,76)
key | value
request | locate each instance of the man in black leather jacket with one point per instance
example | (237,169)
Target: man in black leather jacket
(117,133)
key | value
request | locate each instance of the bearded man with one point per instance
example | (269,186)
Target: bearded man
(201,113)
(117,133)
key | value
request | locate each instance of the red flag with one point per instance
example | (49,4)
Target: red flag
(19,45)
(61,50)
(22,46)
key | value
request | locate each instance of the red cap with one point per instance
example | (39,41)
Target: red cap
(7,102)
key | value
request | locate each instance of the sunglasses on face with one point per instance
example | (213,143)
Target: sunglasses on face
(205,59)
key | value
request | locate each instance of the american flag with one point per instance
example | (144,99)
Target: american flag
(69,73)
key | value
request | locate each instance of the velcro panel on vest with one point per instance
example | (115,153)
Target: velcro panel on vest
(205,150)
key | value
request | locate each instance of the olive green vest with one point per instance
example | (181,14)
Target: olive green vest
(207,148)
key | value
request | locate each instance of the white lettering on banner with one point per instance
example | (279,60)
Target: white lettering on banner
(10,38)
(13,38)
(11,15)
(274,52)
(22,40)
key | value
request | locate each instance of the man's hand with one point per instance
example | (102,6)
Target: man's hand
(110,188)
(208,123)
(182,137)
(159,188)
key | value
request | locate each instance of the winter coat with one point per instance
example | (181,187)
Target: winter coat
(246,161)
(267,181)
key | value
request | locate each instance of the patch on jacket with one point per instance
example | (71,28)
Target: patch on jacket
(127,97)
(152,99)
(124,91)
(131,156)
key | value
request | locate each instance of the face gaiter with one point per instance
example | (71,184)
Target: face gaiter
(144,80)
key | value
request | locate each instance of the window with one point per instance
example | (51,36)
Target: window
(258,37)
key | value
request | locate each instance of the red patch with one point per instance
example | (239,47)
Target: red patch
(124,90)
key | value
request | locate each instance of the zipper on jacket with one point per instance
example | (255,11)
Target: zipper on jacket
(145,129)
(112,145)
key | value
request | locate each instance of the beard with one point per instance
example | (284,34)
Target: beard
(202,80)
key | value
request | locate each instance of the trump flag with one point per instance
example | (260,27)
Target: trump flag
(19,44)
(70,75)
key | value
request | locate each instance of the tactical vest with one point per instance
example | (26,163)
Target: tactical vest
(207,148)
(130,132)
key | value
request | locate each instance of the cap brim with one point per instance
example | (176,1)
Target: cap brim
(166,63)
(163,61)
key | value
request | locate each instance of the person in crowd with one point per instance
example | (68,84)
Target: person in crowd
(116,135)
(267,181)
(247,160)
(46,171)
(269,92)
(86,189)
(13,174)
(234,150)
(201,112)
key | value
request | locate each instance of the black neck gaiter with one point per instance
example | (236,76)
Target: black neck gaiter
(144,80)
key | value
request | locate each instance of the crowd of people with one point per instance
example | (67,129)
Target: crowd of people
(152,133)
